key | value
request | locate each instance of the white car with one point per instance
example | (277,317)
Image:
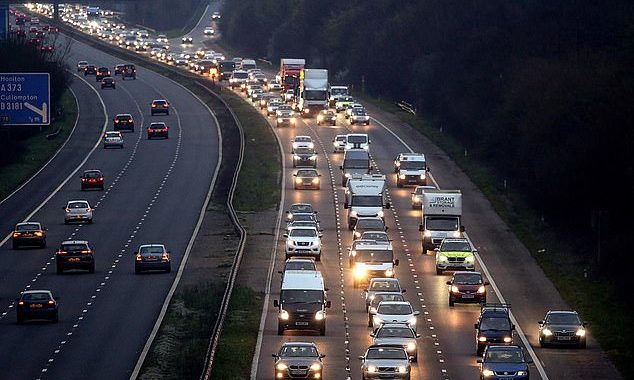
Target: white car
(302,142)
(359,116)
(303,241)
(273,105)
(274,86)
(215,16)
(112,138)
(209,31)
(162,38)
(79,210)
(352,107)
(187,40)
(339,142)
(357,141)
(394,312)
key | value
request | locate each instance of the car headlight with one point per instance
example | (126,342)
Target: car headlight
(412,321)
(508,339)
(315,367)
(279,120)
(293,121)
(411,347)
(402,369)
(297,157)
(347,175)
(482,339)
(488,373)
(371,369)
(315,180)
(377,320)
(353,253)
(456,234)
(372,297)
(547,332)
(581,332)
(380,214)
(320,315)
(320,117)
(372,309)
(284,315)
(359,270)
(281,366)
(353,214)
(311,145)
(481,289)
(470,259)
(427,233)
(313,158)
(389,273)
(442,258)
(522,373)
(357,234)
(454,289)
(366,147)
(416,199)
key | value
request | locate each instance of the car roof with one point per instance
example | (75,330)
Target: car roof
(27,223)
(504,347)
(123,114)
(74,242)
(152,245)
(301,259)
(395,303)
(562,312)
(390,279)
(387,346)
(298,344)
(303,280)
(304,228)
(78,200)
(36,291)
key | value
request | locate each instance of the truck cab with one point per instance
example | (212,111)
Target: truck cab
(335,93)
(303,303)
(364,196)
(311,95)
(355,161)
(441,217)
(410,169)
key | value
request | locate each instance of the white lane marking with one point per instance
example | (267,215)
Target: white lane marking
(519,330)
(54,155)
(58,188)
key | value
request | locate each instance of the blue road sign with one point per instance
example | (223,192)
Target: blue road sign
(25,99)
(4,20)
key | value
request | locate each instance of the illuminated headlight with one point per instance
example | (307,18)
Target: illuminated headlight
(412,321)
(352,213)
(547,332)
(470,259)
(359,270)
(402,369)
(372,297)
(243,85)
(416,199)
(320,315)
(371,369)
(297,157)
(380,214)
(284,315)
(508,339)
(347,175)
(366,147)
(281,366)
(313,158)
(454,289)
(422,176)
(306,110)
(427,233)
(315,180)
(411,347)
(488,373)
(357,234)
(263,102)
(442,258)
(377,320)
(373,309)
(315,367)
(279,120)
(311,145)
(320,118)
(298,180)
(293,121)
(581,332)
(353,253)
(389,273)
(481,289)
(522,373)
(289,216)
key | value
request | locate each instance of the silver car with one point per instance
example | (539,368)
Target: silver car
(339,143)
(382,362)
(381,285)
(79,210)
(112,138)
(397,334)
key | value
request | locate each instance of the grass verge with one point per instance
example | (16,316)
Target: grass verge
(191,23)
(38,149)
(594,296)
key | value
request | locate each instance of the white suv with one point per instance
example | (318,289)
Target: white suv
(303,241)
(394,312)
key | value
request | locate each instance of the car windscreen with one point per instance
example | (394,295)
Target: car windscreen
(441,223)
(367,201)
(495,323)
(384,285)
(394,309)
(338,91)
(357,139)
(304,217)
(74,247)
(240,75)
(386,353)
(377,256)
(387,297)
(412,165)
(300,265)
(315,95)
(78,205)
(148,250)
(27,227)
(289,296)
(298,351)
(356,164)
(455,246)
(467,279)
(304,151)
(303,232)
(340,138)
(124,118)
(372,224)
(306,173)
(299,208)
(395,332)
(378,236)
(563,319)
(35,297)
(504,356)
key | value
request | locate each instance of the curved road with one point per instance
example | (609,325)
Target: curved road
(155,190)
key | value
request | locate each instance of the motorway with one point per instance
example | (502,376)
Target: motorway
(155,190)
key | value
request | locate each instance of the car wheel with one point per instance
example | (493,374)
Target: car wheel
(318,257)
(148,137)
(369,321)
(317,187)
(137,270)
(280,329)
(425,248)
(169,269)
(451,302)
(438,271)
(55,318)
(65,221)
(90,221)
(582,344)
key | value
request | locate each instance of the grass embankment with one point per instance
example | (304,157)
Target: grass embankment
(593,296)
(189,25)
(38,149)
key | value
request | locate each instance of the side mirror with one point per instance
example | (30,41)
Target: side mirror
(475,251)
(361,357)
(418,335)
(326,289)
(448,282)
(45,228)
(410,359)
(280,271)
(274,355)
(372,334)
(462,229)
(295,175)
(285,235)
(365,290)
(403,290)
(585,323)
(396,262)
(479,361)
(427,169)
(371,167)
(388,205)
(328,304)
(288,212)
(486,283)
(276,303)
(437,249)
(420,228)
(322,355)
(417,313)
(475,326)
(315,212)
(63,207)
(387,228)
(345,205)
(341,167)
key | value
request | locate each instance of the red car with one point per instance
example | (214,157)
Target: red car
(21,33)
(158,129)
(47,48)
(92,179)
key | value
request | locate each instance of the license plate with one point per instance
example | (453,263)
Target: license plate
(301,323)
(35,305)
(564,338)
(298,372)
(74,259)
(468,296)
(152,258)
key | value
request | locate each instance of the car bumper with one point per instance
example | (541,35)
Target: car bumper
(302,251)
(152,265)
(385,375)
(455,266)
(39,313)
(155,134)
(413,180)
(297,374)
(305,163)
(302,323)
(563,341)
(30,240)
(75,262)
(467,297)
(70,218)
(107,145)
(92,185)
(160,110)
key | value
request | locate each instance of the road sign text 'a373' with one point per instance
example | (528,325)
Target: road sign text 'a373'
(25,99)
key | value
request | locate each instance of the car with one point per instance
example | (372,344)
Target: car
(304,157)
(140,47)
(417,201)
(339,143)
(123,121)
(274,86)
(36,304)
(272,106)
(152,257)
(371,260)
(112,138)
(352,250)
(326,117)
(298,360)
(102,72)
(368,223)
(47,48)
(75,254)
(304,217)
(298,263)
(562,328)
(289,95)
(394,312)
(397,334)
(455,254)
(493,326)
(108,82)
(160,106)
(154,52)
(379,297)
(34,41)
(215,16)
(299,208)
(343,102)
(357,141)
(301,223)
(28,234)
(92,179)
(381,285)
(285,116)
(467,287)
(157,129)
(162,38)
(128,71)
(256,95)
(380,237)
(187,40)
(90,70)
(359,116)
(504,362)
(302,142)
(307,179)
(118,69)
(265,98)
(253,87)
(385,361)
(303,241)
(238,79)
(209,31)
(350,108)
(77,210)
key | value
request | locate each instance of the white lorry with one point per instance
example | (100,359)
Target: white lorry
(365,197)
(312,96)
(336,92)
(441,217)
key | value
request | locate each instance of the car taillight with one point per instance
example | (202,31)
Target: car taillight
(83,179)
(60,252)
(153,105)
(116,121)
(39,233)
(138,258)
(101,178)
(21,303)
(16,234)
(67,209)
(164,129)
(51,302)
(166,256)
(85,252)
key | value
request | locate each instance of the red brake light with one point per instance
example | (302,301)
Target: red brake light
(116,120)
(153,105)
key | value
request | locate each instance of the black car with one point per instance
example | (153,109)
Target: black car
(299,208)
(298,360)
(75,254)
(493,326)
(562,328)
(36,304)
(305,157)
(108,82)
(504,362)
(152,257)
(102,72)
(157,130)
(128,71)
(90,70)
(327,117)
(160,106)
(28,234)
(467,287)
(92,179)
(370,223)
(123,121)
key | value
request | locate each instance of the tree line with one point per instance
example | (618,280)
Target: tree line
(539,90)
